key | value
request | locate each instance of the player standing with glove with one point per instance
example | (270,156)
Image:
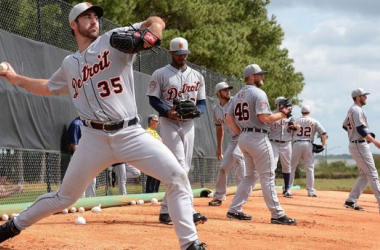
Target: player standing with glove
(251,112)
(177,93)
(280,136)
(99,78)
(303,147)
(356,125)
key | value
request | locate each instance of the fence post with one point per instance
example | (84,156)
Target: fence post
(39,21)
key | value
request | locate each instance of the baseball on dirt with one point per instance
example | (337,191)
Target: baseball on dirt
(73,209)
(140,202)
(154,201)
(81,210)
(133,202)
(65,211)
(3,66)
(210,195)
(80,220)
(4,217)
(96,209)
(14,215)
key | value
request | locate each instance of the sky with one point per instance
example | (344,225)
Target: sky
(335,44)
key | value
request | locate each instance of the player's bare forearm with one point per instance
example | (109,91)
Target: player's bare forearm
(269,118)
(219,140)
(324,139)
(232,124)
(37,86)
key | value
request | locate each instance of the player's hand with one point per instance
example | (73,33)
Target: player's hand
(10,74)
(172,114)
(219,154)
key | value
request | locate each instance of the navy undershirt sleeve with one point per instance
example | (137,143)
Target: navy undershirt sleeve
(362,130)
(159,106)
(201,104)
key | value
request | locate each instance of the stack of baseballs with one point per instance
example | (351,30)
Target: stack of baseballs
(3,66)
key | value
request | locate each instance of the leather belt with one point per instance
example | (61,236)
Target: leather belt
(109,126)
(278,141)
(301,140)
(255,130)
(358,141)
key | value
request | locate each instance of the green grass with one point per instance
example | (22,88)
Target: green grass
(327,184)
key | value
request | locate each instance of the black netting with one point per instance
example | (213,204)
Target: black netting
(39,172)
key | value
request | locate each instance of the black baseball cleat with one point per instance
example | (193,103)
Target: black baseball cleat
(165,219)
(284,220)
(215,203)
(353,205)
(239,216)
(312,195)
(8,230)
(287,194)
(199,218)
(197,246)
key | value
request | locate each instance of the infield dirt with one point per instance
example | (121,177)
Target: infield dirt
(323,224)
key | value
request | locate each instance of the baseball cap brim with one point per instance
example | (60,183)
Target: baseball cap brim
(181,52)
(263,72)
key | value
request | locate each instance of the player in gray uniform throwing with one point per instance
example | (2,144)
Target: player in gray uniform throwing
(251,112)
(177,81)
(280,136)
(303,147)
(99,78)
(233,158)
(359,137)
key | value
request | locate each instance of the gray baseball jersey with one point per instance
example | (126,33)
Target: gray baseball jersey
(303,150)
(100,82)
(280,137)
(233,158)
(355,117)
(219,116)
(247,104)
(167,84)
(361,153)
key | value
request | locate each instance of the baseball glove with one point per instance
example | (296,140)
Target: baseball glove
(186,109)
(285,106)
(132,41)
(291,124)
(317,148)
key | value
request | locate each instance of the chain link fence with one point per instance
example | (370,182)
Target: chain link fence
(38,172)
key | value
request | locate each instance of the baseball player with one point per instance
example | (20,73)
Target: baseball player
(280,136)
(303,147)
(250,115)
(99,78)
(177,81)
(233,157)
(74,135)
(359,137)
(124,171)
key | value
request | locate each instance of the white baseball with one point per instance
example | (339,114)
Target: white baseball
(210,195)
(154,201)
(4,217)
(65,211)
(73,209)
(3,66)
(133,202)
(14,215)
(140,202)
(80,220)
(81,210)
(97,209)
